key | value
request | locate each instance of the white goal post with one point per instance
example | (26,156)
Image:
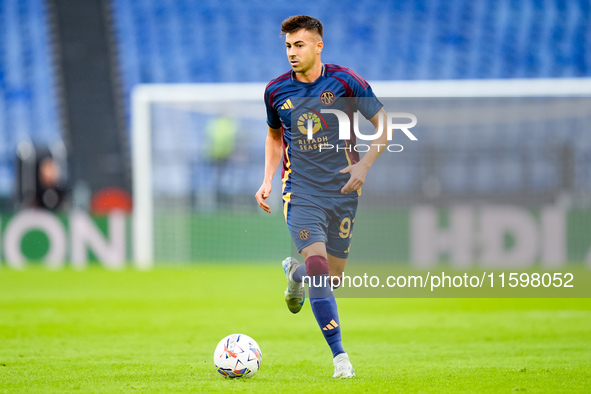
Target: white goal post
(145,96)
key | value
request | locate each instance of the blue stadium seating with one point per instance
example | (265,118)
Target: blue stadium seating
(235,41)
(28,104)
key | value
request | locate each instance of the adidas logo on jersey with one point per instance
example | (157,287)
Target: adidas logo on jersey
(287,105)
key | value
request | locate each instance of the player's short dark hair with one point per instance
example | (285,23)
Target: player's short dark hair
(298,22)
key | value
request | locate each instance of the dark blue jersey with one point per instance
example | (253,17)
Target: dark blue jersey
(296,107)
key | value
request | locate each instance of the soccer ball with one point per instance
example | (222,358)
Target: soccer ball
(237,356)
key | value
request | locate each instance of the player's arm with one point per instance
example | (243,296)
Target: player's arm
(359,170)
(273,154)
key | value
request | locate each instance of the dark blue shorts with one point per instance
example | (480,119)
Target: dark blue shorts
(321,219)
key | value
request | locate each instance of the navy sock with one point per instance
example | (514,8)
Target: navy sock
(324,305)
(299,273)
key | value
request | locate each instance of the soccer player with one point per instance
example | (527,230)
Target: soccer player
(320,186)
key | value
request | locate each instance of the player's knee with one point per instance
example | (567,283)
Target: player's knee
(316,265)
(315,249)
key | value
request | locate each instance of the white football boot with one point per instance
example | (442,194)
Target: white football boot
(342,367)
(294,295)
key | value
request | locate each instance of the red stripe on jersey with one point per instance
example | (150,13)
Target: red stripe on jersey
(272,96)
(336,68)
(348,89)
(280,78)
(353,155)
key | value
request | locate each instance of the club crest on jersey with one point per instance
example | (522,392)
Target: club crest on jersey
(327,97)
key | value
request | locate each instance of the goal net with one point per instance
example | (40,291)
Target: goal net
(508,153)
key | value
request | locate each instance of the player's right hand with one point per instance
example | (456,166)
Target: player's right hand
(262,195)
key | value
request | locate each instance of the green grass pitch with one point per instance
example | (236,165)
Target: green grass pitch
(101,331)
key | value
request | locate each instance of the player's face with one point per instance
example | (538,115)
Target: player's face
(303,50)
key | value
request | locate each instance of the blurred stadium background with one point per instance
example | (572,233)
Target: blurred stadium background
(69,69)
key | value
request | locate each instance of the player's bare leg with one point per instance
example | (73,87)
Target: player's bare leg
(336,267)
(315,249)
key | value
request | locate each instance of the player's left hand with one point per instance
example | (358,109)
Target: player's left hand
(358,172)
